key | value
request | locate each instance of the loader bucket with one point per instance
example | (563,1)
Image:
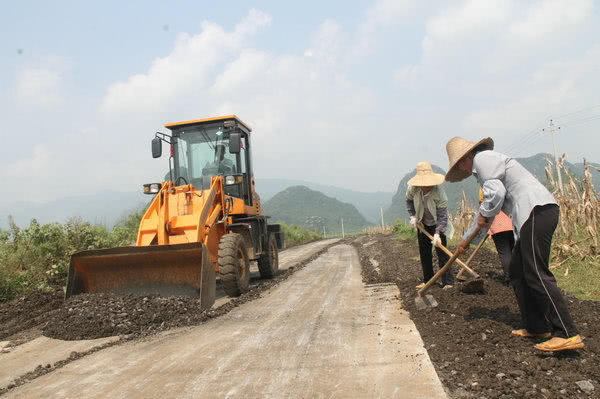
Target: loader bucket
(182,269)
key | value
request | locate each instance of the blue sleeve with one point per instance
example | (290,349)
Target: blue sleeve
(442,220)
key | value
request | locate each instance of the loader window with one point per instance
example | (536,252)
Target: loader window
(203,152)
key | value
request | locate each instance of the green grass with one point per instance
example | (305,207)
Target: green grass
(296,235)
(404,231)
(582,279)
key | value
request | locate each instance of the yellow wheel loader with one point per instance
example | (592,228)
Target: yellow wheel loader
(205,220)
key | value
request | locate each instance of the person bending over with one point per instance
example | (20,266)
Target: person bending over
(509,187)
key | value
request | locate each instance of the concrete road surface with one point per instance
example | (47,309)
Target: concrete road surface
(319,334)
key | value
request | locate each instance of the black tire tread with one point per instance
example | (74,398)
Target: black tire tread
(265,266)
(229,264)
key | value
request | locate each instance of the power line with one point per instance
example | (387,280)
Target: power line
(577,112)
(527,139)
(582,120)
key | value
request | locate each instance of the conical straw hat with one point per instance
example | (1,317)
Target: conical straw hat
(457,148)
(425,176)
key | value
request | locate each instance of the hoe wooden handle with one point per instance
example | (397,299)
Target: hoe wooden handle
(447,251)
(473,255)
(447,265)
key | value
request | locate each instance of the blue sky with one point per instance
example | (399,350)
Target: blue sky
(348,94)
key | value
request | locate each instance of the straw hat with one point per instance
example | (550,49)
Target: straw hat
(425,176)
(457,148)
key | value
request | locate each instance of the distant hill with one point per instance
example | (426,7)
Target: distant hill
(368,204)
(535,164)
(595,169)
(311,209)
(105,208)
(454,191)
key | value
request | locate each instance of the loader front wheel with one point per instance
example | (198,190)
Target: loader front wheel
(268,263)
(234,265)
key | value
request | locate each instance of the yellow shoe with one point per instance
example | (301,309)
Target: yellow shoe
(526,334)
(560,344)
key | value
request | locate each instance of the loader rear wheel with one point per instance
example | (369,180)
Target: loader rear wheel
(268,263)
(234,265)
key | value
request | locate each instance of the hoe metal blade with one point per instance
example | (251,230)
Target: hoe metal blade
(425,302)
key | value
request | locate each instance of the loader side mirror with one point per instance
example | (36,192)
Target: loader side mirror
(156,147)
(235,140)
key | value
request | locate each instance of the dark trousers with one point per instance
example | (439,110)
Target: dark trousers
(505,242)
(427,257)
(542,305)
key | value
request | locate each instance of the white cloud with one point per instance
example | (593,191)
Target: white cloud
(549,17)
(328,42)
(565,91)
(186,69)
(353,106)
(38,163)
(239,73)
(41,86)
(380,16)
(467,18)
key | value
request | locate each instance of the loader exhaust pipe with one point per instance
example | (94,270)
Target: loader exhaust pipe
(180,270)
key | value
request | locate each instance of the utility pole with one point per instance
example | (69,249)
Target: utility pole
(343,235)
(323,231)
(552,128)
(382,222)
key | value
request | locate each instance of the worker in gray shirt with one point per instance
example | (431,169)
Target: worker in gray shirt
(509,187)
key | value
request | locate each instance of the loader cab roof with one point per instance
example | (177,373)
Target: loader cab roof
(210,121)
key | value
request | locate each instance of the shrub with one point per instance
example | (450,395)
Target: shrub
(296,235)
(403,231)
(32,256)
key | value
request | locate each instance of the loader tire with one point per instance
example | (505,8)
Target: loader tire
(234,265)
(268,262)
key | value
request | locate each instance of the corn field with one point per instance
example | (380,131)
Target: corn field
(577,235)
(377,230)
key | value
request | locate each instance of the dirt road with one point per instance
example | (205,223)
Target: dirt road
(320,333)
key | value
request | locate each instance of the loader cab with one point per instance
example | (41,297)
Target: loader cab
(213,147)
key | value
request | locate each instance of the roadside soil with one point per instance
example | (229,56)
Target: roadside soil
(468,336)
(90,316)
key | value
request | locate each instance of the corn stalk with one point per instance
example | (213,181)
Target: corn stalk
(578,233)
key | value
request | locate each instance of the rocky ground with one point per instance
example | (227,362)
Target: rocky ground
(468,336)
(90,316)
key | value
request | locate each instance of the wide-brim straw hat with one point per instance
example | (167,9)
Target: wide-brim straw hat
(425,176)
(457,148)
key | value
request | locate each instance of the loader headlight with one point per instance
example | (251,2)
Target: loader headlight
(229,180)
(152,188)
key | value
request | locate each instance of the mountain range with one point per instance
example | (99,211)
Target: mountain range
(535,164)
(108,207)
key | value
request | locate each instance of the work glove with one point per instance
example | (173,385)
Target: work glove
(413,221)
(437,241)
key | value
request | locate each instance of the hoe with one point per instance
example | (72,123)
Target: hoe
(205,219)
(423,301)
